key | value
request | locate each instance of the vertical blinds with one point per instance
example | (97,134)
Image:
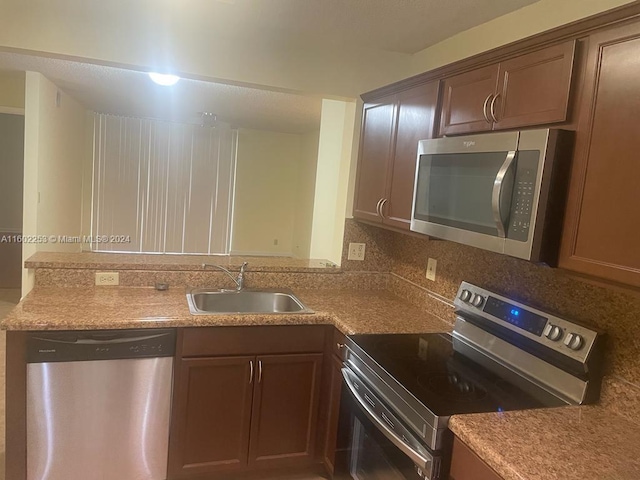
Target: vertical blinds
(162,187)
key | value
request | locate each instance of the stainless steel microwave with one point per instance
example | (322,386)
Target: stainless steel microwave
(503,192)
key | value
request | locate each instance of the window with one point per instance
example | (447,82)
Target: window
(162,187)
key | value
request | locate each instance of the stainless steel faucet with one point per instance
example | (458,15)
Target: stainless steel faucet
(239,280)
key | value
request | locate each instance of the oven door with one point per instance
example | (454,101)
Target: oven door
(373,444)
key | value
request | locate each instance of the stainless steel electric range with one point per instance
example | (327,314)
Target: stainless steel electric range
(400,390)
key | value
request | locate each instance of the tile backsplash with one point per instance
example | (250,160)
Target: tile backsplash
(616,312)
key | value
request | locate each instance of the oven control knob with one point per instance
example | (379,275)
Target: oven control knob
(574,341)
(552,332)
(477,301)
(465,296)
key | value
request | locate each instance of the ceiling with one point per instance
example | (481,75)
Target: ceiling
(404,26)
(131,93)
(400,26)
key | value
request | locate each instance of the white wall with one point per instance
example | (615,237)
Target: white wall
(525,22)
(305,186)
(11,171)
(265,192)
(54,150)
(332,179)
(87,179)
(11,91)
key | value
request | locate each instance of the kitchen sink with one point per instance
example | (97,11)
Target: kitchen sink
(204,301)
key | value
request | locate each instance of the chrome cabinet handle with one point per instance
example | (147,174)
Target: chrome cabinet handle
(378,207)
(497,194)
(484,108)
(259,371)
(492,108)
(382,203)
(251,373)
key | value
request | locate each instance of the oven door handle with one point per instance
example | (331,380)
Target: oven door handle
(498,196)
(418,458)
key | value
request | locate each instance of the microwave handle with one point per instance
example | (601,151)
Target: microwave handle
(497,195)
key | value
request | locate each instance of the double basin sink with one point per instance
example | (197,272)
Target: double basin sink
(204,301)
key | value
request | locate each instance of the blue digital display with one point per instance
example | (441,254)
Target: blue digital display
(518,317)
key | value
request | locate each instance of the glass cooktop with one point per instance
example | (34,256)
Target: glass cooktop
(448,382)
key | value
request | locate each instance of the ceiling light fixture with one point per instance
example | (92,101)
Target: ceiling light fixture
(164,79)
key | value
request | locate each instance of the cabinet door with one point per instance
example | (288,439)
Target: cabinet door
(466,465)
(534,88)
(416,111)
(333,414)
(213,399)
(375,154)
(285,409)
(466,99)
(602,224)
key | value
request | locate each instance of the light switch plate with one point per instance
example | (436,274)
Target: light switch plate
(356,251)
(107,278)
(431,269)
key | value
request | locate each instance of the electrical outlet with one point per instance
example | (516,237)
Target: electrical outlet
(107,278)
(356,251)
(431,269)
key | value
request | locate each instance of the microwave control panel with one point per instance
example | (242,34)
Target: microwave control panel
(524,190)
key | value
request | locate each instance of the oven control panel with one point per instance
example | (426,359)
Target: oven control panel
(567,337)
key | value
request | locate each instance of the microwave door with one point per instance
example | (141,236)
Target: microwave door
(454,197)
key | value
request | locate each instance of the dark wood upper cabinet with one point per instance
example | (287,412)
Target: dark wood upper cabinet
(285,409)
(530,89)
(391,128)
(376,138)
(466,98)
(602,222)
(534,88)
(213,399)
(415,120)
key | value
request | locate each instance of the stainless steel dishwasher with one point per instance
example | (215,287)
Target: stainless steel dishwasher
(98,404)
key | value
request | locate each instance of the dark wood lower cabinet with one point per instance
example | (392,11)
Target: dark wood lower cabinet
(285,409)
(236,415)
(466,465)
(214,410)
(333,397)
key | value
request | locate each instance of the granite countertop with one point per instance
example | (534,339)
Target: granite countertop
(351,311)
(567,443)
(141,261)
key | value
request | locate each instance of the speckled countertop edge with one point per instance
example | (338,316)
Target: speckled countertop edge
(566,443)
(79,308)
(159,262)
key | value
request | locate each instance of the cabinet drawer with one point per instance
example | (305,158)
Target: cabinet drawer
(205,341)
